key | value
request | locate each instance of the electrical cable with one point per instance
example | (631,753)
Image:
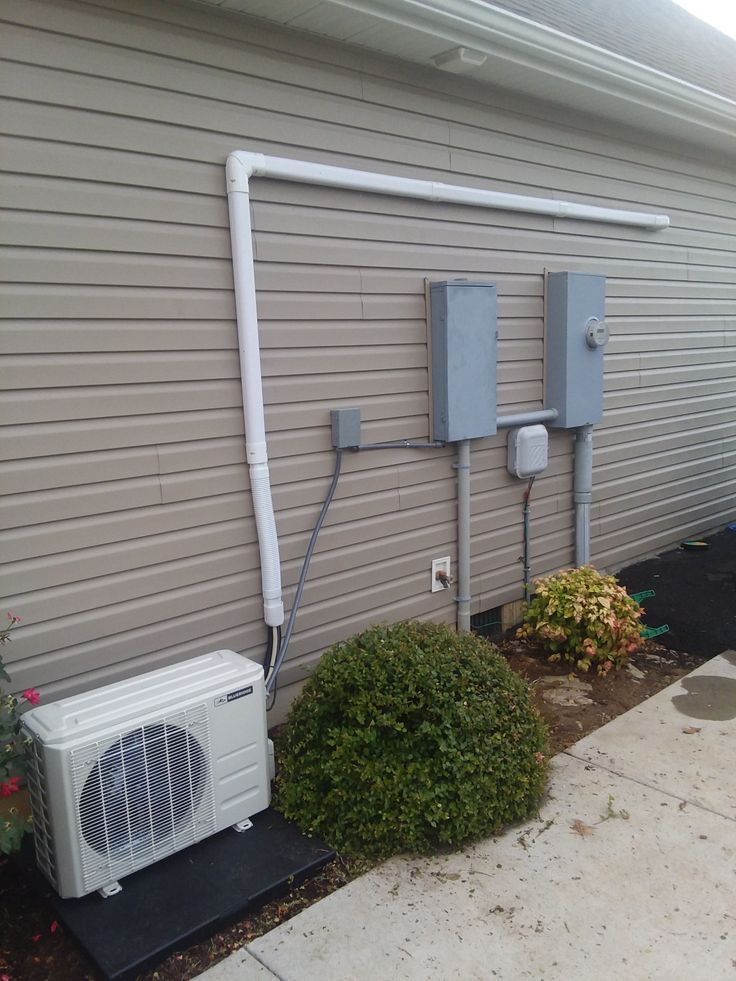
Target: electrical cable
(284,641)
(528,491)
(525,556)
(272,648)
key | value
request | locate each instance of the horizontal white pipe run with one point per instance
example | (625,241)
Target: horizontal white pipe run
(241,165)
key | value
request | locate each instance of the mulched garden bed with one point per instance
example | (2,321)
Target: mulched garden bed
(696,594)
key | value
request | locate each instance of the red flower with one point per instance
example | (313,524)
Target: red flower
(9,787)
(32,696)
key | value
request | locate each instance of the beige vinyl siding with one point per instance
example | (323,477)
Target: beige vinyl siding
(127,536)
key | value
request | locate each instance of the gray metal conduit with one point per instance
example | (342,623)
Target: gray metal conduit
(462,466)
(582,474)
(527,418)
(582,496)
(463,535)
(583,492)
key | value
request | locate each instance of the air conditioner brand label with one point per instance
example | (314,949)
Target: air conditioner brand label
(232,695)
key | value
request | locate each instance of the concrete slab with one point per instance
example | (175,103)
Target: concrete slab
(627,874)
(614,880)
(682,740)
(240,966)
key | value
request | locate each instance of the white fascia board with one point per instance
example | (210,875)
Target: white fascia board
(554,65)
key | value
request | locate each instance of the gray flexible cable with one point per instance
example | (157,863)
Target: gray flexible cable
(284,645)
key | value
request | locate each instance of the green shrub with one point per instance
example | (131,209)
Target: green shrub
(13,823)
(583,617)
(408,737)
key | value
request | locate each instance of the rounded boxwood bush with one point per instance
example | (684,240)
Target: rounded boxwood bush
(407,737)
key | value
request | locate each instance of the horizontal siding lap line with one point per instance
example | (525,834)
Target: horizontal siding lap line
(408,369)
(700,522)
(134,582)
(712,514)
(653,512)
(689,457)
(689,477)
(646,445)
(98,239)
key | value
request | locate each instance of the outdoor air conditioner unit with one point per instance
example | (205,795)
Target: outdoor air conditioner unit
(125,775)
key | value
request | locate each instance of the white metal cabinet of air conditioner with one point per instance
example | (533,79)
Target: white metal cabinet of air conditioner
(127,774)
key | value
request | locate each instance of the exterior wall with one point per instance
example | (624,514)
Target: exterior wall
(127,537)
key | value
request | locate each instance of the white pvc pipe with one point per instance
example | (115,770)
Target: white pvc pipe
(282,168)
(252,387)
(241,166)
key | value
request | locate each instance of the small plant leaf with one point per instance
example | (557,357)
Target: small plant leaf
(581,828)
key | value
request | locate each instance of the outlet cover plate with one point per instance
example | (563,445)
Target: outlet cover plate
(440,565)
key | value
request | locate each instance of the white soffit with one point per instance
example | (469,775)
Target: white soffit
(522,56)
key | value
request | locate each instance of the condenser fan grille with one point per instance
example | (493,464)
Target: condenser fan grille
(144,795)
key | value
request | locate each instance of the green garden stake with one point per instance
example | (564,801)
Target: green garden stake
(648,632)
(645,594)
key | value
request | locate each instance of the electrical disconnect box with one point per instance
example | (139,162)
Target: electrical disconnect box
(463,341)
(345,428)
(575,337)
(527,451)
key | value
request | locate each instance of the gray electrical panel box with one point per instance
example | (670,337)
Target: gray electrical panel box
(345,428)
(575,338)
(463,342)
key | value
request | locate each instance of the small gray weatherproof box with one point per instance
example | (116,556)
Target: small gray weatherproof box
(463,340)
(345,428)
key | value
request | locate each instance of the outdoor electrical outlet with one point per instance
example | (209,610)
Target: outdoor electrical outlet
(441,574)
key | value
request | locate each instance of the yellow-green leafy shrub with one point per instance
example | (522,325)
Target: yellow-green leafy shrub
(583,617)
(408,737)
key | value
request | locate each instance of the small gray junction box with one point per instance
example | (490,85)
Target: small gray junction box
(575,337)
(463,342)
(345,428)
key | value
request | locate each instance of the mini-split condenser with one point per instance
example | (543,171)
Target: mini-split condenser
(125,775)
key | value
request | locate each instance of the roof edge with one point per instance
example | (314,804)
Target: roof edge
(550,54)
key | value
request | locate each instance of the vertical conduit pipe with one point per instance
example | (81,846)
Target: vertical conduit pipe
(463,535)
(583,492)
(238,198)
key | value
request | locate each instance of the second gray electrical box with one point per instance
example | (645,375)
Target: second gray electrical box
(575,336)
(463,338)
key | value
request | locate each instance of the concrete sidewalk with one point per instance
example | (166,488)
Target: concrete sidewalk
(629,872)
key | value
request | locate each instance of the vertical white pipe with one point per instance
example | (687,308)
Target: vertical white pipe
(251,383)
(583,492)
(463,535)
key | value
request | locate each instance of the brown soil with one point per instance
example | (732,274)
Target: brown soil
(33,947)
(574,706)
